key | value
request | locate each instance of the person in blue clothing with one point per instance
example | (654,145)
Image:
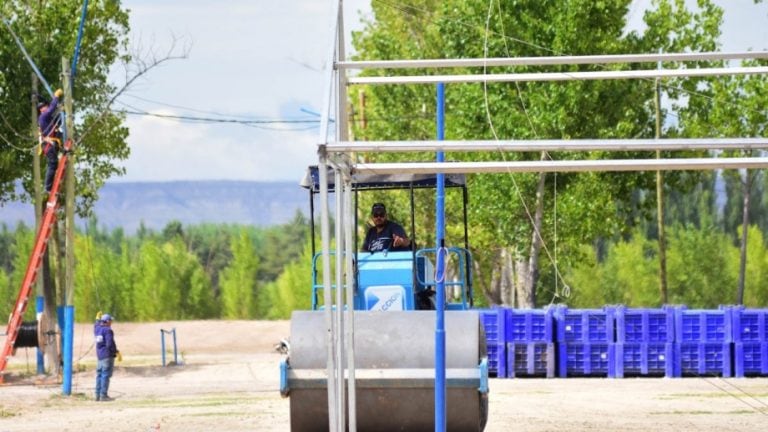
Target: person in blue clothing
(106,351)
(385,234)
(50,136)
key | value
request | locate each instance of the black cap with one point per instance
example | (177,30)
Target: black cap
(378,207)
(41,103)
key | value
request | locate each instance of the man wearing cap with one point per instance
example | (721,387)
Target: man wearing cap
(106,351)
(384,234)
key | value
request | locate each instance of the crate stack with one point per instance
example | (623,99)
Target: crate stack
(585,342)
(529,342)
(644,342)
(750,341)
(494,321)
(703,342)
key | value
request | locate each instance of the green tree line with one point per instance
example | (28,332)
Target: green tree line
(193,272)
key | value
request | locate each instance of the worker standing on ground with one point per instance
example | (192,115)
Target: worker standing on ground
(50,135)
(384,234)
(106,351)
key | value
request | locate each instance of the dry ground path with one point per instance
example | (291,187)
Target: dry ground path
(229,381)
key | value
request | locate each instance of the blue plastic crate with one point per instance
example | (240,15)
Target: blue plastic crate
(494,325)
(749,325)
(645,359)
(587,359)
(703,325)
(702,359)
(645,325)
(530,359)
(585,325)
(529,325)
(751,359)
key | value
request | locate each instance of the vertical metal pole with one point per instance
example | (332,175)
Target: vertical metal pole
(349,250)
(69,319)
(339,306)
(39,306)
(162,346)
(175,351)
(440,400)
(327,298)
(76,56)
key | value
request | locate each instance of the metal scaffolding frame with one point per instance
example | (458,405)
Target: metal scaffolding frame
(335,152)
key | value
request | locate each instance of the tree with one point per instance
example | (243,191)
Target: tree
(238,280)
(48,31)
(512,215)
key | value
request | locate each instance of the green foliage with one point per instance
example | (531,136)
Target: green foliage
(7,296)
(702,271)
(291,291)
(238,280)
(590,206)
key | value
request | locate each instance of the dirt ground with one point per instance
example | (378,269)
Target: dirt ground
(228,377)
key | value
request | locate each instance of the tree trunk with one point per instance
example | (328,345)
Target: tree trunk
(531,276)
(744,228)
(525,298)
(507,281)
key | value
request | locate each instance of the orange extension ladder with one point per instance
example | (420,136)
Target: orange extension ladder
(41,241)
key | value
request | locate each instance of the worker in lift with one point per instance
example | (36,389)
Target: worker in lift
(50,135)
(384,234)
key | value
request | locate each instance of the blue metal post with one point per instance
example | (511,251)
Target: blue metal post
(440,399)
(162,345)
(69,333)
(39,307)
(77,44)
(175,357)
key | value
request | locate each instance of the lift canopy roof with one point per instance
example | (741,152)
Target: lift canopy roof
(362,181)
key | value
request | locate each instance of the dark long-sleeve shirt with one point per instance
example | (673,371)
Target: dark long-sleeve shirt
(46,121)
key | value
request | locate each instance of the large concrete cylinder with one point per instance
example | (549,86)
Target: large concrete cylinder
(394,367)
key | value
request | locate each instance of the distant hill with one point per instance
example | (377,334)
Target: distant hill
(191,202)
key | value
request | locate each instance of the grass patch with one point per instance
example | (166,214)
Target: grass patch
(4,413)
(678,412)
(709,395)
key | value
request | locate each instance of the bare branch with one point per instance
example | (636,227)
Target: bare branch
(141,64)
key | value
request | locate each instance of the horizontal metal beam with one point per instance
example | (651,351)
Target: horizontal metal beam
(551,60)
(560,166)
(667,144)
(558,76)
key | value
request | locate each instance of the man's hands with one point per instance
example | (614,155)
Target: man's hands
(398,241)
(58,93)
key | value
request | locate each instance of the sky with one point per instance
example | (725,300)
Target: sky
(263,60)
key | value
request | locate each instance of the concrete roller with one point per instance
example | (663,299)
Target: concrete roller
(394,371)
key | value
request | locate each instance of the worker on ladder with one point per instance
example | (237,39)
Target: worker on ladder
(50,135)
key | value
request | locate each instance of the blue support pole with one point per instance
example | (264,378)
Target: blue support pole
(39,307)
(162,345)
(175,356)
(67,339)
(440,399)
(79,40)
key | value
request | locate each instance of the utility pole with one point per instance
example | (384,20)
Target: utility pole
(69,232)
(37,201)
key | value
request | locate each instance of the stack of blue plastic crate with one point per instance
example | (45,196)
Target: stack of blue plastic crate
(750,337)
(703,342)
(494,321)
(530,346)
(645,342)
(585,342)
